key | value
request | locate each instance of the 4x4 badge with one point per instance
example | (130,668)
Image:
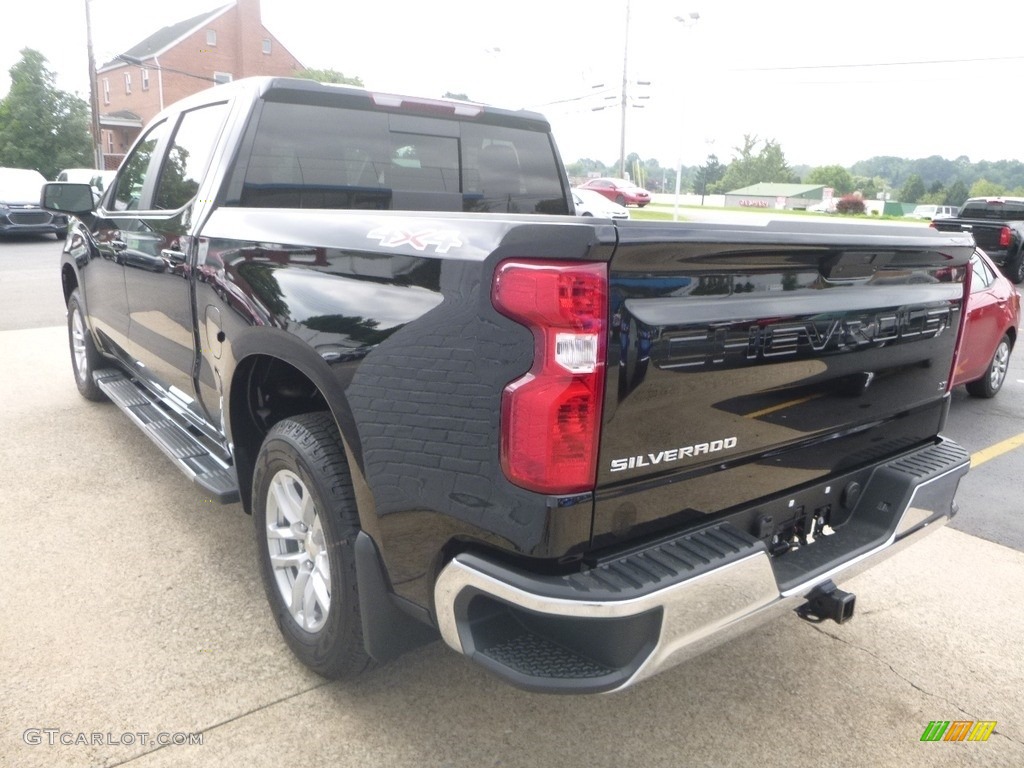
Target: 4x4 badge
(442,240)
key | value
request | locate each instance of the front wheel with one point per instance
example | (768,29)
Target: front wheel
(85,358)
(989,384)
(306,525)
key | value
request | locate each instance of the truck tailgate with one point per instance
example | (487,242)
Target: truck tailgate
(745,362)
(987,234)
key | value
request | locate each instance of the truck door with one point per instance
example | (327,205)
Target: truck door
(103,279)
(160,255)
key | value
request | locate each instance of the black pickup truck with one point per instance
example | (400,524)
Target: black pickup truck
(997,224)
(579,451)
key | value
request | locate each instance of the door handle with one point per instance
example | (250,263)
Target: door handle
(173,258)
(118,245)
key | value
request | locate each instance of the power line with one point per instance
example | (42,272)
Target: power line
(881,64)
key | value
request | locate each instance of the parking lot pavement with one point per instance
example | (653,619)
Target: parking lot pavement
(131,605)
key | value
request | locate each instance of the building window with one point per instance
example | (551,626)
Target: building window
(266,46)
(211,37)
(110,142)
(145,79)
(222,77)
(106,91)
(127,82)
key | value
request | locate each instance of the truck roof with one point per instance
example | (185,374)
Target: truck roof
(300,90)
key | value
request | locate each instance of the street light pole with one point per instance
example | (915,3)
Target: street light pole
(94,102)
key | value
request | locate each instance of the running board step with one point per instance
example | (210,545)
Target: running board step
(186,450)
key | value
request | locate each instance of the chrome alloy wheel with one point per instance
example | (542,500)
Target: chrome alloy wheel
(298,551)
(78,348)
(1000,364)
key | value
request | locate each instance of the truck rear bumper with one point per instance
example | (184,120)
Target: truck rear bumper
(632,616)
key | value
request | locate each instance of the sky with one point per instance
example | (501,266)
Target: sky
(831,82)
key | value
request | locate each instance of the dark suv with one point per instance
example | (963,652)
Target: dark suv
(20,213)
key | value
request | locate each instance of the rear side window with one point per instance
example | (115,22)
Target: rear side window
(983,276)
(306,156)
(189,155)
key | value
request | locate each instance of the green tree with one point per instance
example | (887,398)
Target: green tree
(936,194)
(637,170)
(752,166)
(710,173)
(913,190)
(986,188)
(868,187)
(329,76)
(586,166)
(956,193)
(41,126)
(834,176)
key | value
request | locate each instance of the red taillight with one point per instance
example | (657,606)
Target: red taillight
(550,417)
(1004,237)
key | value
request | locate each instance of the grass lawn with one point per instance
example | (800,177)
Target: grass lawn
(654,212)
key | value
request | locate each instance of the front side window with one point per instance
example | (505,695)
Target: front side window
(132,177)
(188,156)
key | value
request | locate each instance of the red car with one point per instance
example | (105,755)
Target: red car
(993,315)
(620,191)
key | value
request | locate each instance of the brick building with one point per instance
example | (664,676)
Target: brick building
(215,47)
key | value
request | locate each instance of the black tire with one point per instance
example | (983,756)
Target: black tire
(1015,268)
(302,489)
(620,200)
(990,384)
(85,358)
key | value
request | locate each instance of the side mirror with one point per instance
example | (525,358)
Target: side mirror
(76,199)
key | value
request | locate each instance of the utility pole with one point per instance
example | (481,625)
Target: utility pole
(94,102)
(625,97)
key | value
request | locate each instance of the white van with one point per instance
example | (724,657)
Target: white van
(935,212)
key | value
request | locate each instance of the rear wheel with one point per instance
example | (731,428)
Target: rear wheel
(1015,267)
(85,358)
(989,384)
(620,200)
(306,524)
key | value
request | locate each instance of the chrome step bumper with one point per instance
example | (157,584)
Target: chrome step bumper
(628,618)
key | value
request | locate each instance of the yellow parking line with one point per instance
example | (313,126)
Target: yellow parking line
(781,406)
(980,457)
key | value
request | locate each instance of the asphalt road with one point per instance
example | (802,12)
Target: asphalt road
(131,605)
(30,283)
